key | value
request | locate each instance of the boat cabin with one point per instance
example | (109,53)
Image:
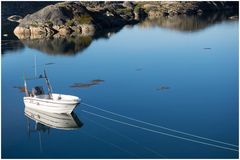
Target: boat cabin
(38,91)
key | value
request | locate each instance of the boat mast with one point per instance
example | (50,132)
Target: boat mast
(48,84)
(35,65)
(25,86)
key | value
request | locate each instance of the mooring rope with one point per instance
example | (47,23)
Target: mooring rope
(166,134)
(110,143)
(126,137)
(162,127)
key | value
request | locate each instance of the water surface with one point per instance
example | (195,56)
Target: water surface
(179,74)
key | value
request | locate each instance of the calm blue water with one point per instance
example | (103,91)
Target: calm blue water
(155,74)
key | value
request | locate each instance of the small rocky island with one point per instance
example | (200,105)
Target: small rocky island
(89,18)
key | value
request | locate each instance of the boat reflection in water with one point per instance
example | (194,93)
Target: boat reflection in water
(45,121)
(53,120)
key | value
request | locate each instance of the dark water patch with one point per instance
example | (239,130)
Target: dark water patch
(139,69)
(87,84)
(97,81)
(82,85)
(162,88)
(207,48)
(50,63)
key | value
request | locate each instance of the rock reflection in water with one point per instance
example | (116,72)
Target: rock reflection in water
(69,45)
(73,44)
(88,84)
(11,45)
(187,23)
(59,45)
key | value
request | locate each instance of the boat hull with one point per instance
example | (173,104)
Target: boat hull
(50,106)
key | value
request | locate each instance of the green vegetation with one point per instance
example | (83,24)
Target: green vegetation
(137,8)
(70,22)
(125,10)
(83,19)
(61,4)
(86,40)
(34,24)
(50,23)
(155,9)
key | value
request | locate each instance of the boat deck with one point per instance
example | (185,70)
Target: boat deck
(43,96)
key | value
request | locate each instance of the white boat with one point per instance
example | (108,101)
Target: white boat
(54,120)
(50,102)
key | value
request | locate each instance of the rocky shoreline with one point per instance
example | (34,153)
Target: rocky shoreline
(88,18)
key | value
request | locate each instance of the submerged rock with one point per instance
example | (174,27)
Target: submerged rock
(88,84)
(15,18)
(139,69)
(233,17)
(49,63)
(97,81)
(163,88)
(207,48)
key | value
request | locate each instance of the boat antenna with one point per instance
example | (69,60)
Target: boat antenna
(48,84)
